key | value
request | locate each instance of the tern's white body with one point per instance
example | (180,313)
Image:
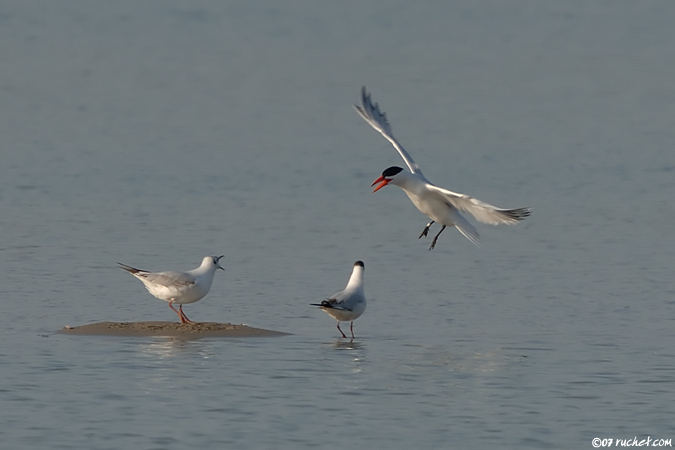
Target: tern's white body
(434,204)
(347,305)
(440,205)
(179,287)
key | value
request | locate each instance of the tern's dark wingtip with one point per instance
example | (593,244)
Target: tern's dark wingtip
(519,213)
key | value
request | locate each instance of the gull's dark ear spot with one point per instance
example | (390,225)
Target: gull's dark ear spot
(391,171)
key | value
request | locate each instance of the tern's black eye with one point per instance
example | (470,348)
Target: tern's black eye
(391,171)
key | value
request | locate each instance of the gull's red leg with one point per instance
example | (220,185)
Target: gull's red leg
(184,316)
(180,313)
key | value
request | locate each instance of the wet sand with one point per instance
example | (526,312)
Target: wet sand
(171,329)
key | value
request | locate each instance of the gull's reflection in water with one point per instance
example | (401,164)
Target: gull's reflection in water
(170,364)
(170,347)
(343,344)
(356,351)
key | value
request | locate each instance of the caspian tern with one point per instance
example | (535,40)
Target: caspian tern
(349,304)
(440,205)
(179,287)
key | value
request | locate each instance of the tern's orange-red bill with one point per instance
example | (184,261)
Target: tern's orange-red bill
(383,182)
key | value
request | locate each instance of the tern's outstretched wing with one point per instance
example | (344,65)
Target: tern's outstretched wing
(378,120)
(482,211)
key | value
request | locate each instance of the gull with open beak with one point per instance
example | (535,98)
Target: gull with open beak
(440,205)
(179,287)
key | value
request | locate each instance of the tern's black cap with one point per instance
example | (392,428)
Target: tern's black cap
(359,263)
(391,171)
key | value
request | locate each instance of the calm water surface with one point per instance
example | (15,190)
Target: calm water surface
(156,133)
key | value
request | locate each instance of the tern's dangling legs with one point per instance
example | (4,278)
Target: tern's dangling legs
(433,243)
(426,230)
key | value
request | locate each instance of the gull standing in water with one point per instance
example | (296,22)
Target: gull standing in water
(440,205)
(349,304)
(179,287)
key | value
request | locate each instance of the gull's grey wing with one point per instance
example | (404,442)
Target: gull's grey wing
(378,120)
(168,278)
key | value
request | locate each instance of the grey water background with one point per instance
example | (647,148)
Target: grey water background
(154,133)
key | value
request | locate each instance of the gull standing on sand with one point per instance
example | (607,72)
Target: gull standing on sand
(179,287)
(349,304)
(440,205)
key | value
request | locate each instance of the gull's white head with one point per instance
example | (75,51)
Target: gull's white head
(388,176)
(212,261)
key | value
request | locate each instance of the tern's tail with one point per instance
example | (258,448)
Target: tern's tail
(465,227)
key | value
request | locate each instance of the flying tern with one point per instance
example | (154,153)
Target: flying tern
(179,287)
(439,204)
(348,304)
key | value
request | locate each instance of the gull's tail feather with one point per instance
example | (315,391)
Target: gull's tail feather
(129,268)
(323,304)
(329,305)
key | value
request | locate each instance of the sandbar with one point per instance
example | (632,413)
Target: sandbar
(195,330)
